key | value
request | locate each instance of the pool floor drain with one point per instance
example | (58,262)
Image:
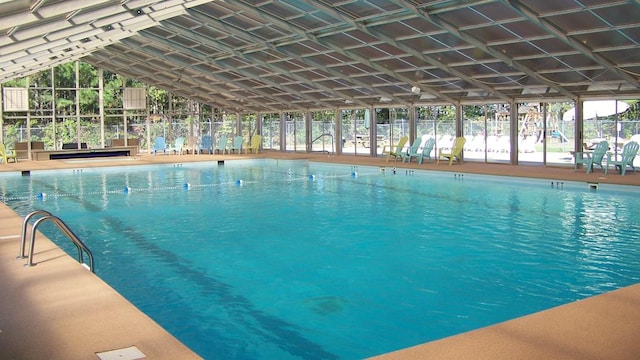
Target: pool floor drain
(128,353)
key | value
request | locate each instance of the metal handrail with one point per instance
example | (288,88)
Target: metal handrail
(82,248)
(323,135)
(23,237)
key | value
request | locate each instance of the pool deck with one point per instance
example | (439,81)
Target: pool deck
(59,310)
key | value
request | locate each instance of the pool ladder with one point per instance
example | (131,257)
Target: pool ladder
(47,216)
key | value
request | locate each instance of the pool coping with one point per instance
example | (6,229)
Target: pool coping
(59,310)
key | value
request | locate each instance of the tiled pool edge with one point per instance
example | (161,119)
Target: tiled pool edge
(600,327)
(59,310)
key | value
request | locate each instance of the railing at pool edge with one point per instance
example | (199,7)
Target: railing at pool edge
(47,216)
(320,136)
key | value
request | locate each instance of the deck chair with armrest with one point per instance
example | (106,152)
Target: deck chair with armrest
(192,145)
(427,148)
(455,153)
(395,150)
(254,145)
(412,151)
(591,158)
(236,145)
(629,151)
(178,146)
(206,145)
(221,144)
(159,145)
(7,155)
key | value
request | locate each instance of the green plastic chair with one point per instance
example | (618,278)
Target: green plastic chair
(590,158)
(455,153)
(396,151)
(178,146)
(627,156)
(413,150)
(221,145)
(426,150)
(237,145)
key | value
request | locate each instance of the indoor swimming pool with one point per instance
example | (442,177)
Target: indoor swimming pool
(278,259)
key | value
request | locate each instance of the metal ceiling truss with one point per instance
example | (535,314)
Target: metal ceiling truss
(251,60)
(296,55)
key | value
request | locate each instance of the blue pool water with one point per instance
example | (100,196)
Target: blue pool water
(304,260)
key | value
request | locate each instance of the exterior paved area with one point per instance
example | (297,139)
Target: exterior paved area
(58,310)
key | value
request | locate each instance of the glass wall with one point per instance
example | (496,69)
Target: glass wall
(249,127)
(64,109)
(498,143)
(271,131)
(356,131)
(559,134)
(531,127)
(323,131)
(391,125)
(474,124)
(445,127)
(426,119)
(224,125)
(295,131)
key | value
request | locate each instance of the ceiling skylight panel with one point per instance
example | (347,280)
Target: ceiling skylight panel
(463,17)
(447,40)
(280,10)
(185,22)
(183,41)
(398,30)
(367,8)
(577,21)
(604,39)
(312,22)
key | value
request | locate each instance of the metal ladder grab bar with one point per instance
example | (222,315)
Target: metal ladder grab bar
(323,135)
(67,231)
(25,223)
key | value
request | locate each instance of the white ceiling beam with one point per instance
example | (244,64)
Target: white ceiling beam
(546,25)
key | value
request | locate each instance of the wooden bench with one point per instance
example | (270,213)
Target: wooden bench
(22,150)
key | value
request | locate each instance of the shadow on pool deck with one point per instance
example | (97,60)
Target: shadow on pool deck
(58,310)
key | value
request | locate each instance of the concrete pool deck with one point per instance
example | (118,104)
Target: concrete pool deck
(58,310)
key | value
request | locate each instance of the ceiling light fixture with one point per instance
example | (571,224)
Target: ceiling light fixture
(415,90)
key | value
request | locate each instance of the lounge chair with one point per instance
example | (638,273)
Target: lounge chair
(427,148)
(206,145)
(192,145)
(236,145)
(413,150)
(159,145)
(455,153)
(178,146)
(254,146)
(221,145)
(629,151)
(395,150)
(590,158)
(6,155)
